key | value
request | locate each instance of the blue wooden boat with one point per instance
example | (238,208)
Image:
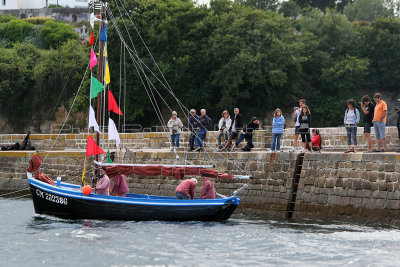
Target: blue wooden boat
(67,201)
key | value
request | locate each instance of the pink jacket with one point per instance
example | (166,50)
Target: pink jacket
(120,187)
(208,190)
(187,188)
(103,186)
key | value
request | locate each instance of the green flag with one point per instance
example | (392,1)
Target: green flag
(109,157)
(97,87)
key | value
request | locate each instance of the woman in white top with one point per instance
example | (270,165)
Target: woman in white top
(223,126)
(174,125)
(351,119)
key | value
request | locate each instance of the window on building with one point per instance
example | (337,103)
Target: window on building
(3,2)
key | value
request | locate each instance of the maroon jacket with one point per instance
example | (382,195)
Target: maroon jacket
(208,189)
(120,187)
(187,188)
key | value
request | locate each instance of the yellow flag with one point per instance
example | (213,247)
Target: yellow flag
(107,78)
(83,174)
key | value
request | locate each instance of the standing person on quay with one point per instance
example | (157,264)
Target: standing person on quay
(304,127)
(277,130)
(351,119)
(236,127)
(223,125)
(193,127)
(185,189)
(295,115)
(175,125)
(204,125)
(368,109)
(379,121)
(208,189)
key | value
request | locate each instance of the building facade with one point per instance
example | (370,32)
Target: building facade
(35,4)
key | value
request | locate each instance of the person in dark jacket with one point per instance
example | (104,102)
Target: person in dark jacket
(304,127)
(247,133)
(398,123)
(368,108)
(236,127)
(193,127)
(204,125)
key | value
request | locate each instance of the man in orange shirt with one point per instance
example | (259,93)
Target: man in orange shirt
(379,122)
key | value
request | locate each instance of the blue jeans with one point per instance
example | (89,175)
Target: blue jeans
(201,134)
(379,128)
(351,130)
(175,140)
(276,139)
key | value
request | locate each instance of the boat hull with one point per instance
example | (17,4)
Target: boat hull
(51,200)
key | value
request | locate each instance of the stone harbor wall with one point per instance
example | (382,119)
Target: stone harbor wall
(333,139)
(366,186)
(362,187)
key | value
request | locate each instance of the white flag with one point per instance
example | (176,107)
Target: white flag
(112,132)
(92,120)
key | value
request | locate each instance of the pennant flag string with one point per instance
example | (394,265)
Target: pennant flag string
(112,104)
(92,120)
(93,59)
(112,132)
(92,148)
(97,87)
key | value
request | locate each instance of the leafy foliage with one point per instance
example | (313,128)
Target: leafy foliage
(54,34)
(16,30)
(231,54)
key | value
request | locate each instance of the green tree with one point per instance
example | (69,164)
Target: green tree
(54,34)
(368,9)
(16,83)
(16,30)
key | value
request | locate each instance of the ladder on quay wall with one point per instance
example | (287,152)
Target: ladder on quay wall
(295,186)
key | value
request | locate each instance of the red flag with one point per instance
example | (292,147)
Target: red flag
(112,104)
(92,148)
(91,39)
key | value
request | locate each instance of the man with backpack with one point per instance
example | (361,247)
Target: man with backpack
(204,125)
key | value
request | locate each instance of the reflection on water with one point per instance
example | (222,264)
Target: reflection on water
(45,240)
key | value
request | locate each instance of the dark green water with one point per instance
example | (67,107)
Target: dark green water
(32,240)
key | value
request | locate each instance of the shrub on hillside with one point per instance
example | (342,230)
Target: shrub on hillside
(38,20)
(6,18)
(53,34)
(16,30)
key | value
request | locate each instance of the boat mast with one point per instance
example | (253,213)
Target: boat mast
(101,68)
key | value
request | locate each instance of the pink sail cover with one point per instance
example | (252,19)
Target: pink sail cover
(156,170)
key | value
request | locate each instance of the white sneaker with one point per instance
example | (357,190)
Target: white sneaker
(293,149)
(278,151)
(271,151)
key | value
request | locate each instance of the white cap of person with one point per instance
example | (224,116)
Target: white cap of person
(174,113)
(194,180)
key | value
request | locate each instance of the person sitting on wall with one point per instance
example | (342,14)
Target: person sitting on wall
(208,189)
(120,187)
(235,129)
(185,189)
(204,125)
(103,183)
(316,140)
(247,133)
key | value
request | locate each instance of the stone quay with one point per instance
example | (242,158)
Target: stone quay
(330,185)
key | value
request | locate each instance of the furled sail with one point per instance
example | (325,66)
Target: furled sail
(177,171)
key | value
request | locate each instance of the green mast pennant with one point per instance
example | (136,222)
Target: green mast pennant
(109,160)
(96,88)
